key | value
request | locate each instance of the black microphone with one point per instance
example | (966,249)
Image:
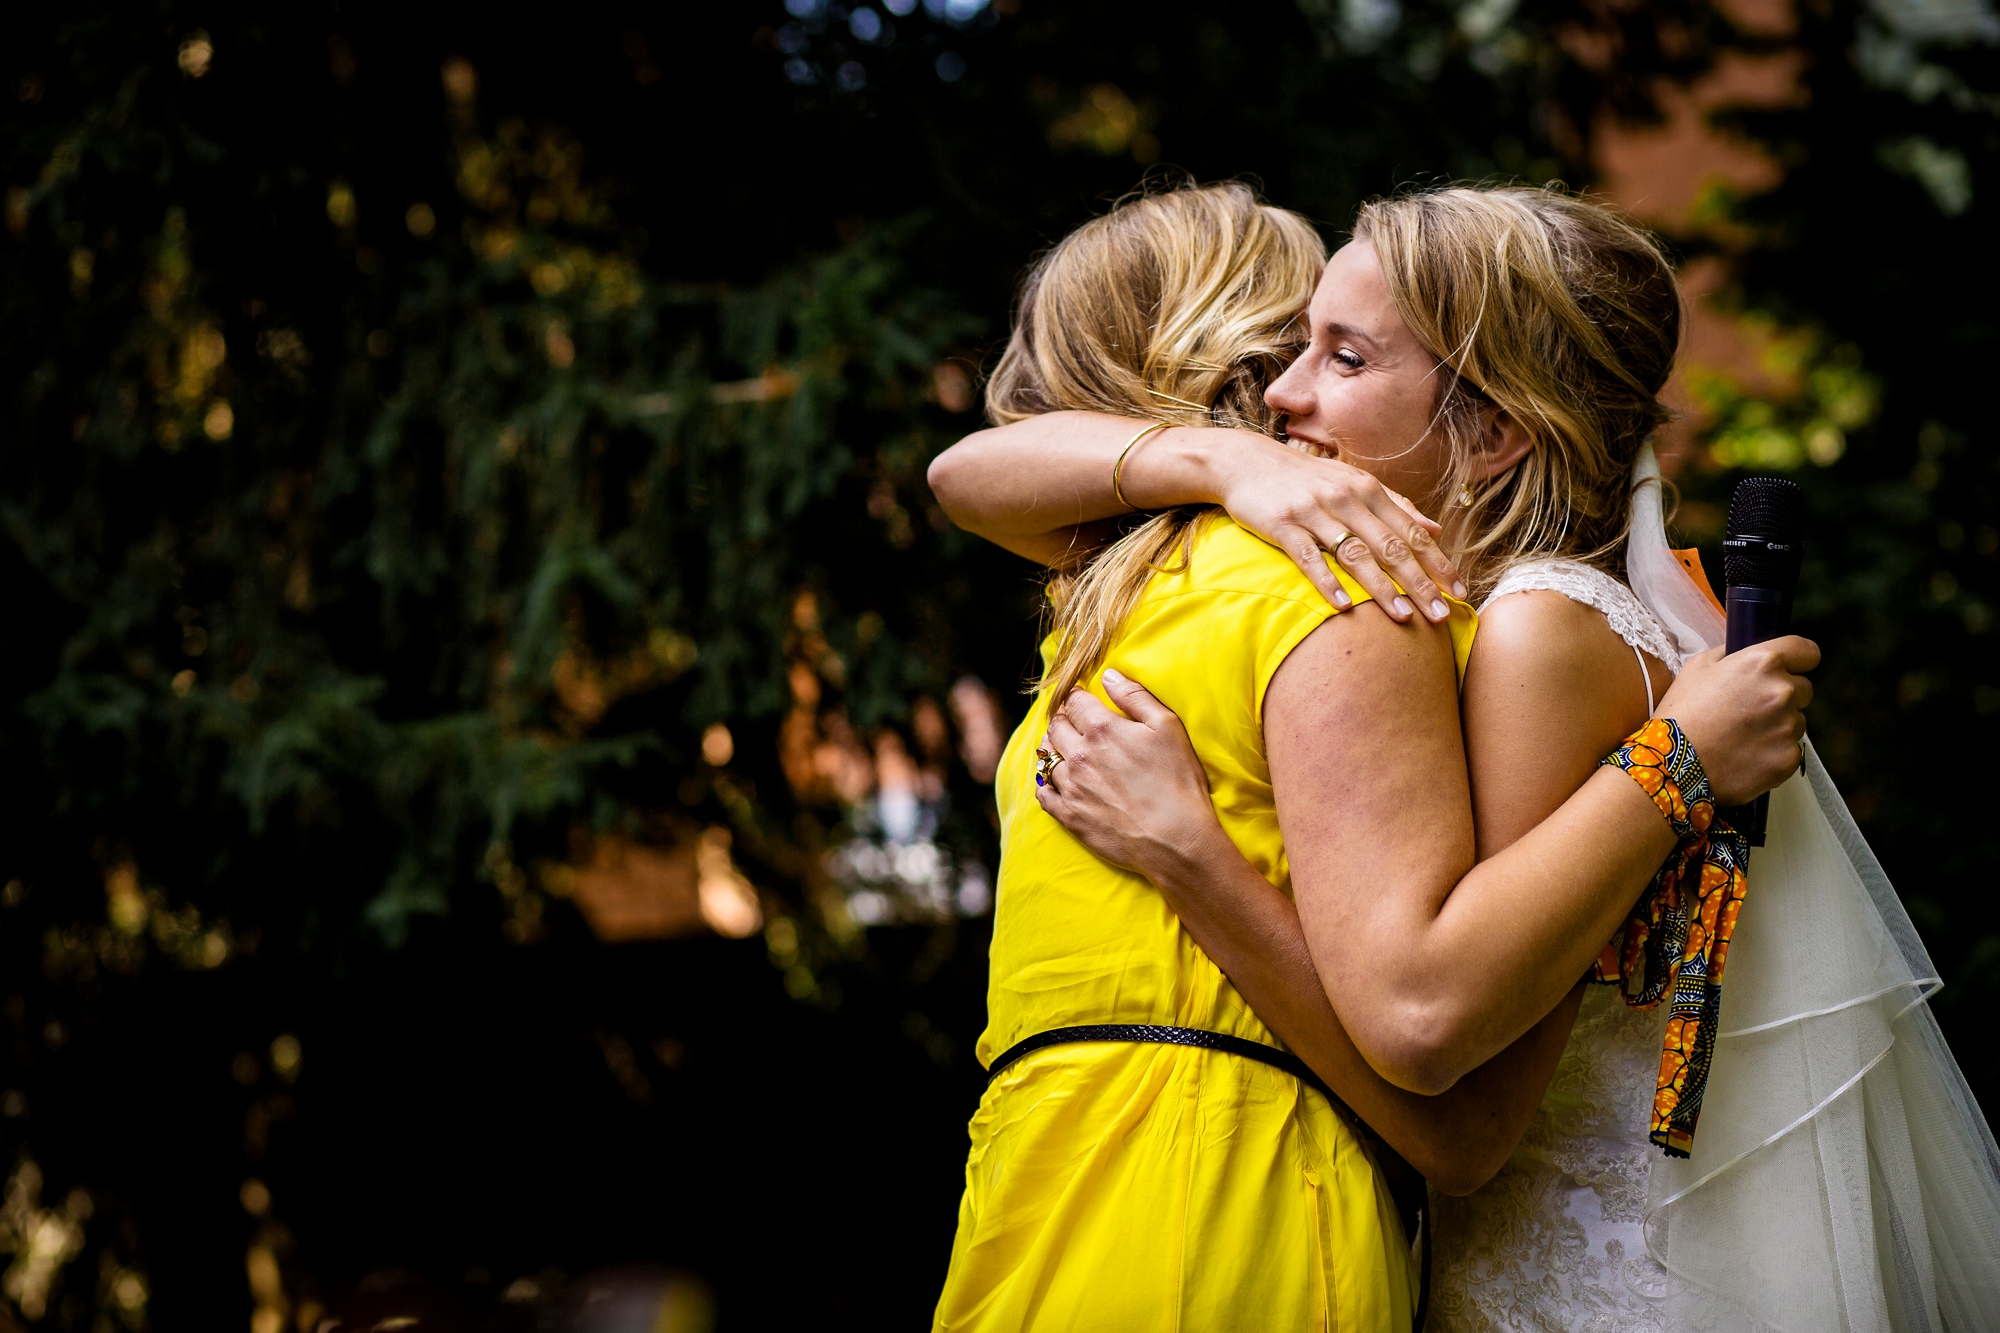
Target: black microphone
(1760,563)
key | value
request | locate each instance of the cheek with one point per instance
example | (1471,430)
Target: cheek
(1359,411)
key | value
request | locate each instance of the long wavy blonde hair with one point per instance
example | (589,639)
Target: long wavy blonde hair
(1179,306)
(1561,313)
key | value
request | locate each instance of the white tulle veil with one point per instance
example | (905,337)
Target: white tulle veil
(1843,1177)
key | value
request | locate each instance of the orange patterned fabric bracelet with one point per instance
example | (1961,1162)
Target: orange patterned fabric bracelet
(1676,941)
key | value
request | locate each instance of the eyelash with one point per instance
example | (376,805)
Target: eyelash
(1349,359)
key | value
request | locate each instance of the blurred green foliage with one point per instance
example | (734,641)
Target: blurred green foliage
(421,430)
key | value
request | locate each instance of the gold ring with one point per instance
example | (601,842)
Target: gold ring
(1046,759)
(1341,541)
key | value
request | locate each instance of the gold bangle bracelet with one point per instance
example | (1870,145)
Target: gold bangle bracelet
(1119,466)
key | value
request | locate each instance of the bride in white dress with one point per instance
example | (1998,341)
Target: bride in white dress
(1844,1178)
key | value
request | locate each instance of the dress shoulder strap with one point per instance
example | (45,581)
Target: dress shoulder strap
(1628,616)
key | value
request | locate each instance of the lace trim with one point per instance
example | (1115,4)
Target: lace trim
(1629,618)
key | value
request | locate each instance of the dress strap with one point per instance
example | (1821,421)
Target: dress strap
(1646,676)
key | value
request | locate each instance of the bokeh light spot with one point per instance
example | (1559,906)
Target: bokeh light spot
(340,210)
(195,54)
(561,350)
(717,745)
(286,1056)
(459,78)
(728,902)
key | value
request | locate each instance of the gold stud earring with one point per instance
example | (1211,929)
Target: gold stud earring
(1465,497)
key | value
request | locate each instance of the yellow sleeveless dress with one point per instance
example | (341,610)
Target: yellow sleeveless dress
(1128,1188)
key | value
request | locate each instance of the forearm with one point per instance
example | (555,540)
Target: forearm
(1434,963)
(1050,474)
(1478,962)
(1456,1140)
(1043,488)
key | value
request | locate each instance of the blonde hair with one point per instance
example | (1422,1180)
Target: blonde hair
(1179,306)
(1563,315)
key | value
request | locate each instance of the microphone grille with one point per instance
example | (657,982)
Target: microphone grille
(1772,510)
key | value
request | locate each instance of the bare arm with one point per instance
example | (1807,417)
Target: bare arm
(1434,963)
(1113,794)
(1041,488)
(1457,1139)
(1550,689)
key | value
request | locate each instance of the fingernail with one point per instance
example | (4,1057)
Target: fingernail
(1458,591)
(1113,677)
(1439,610)
(1402,605)
(1341,599)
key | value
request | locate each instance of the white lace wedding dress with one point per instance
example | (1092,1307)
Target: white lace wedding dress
(1845,1179)
(1556,1242)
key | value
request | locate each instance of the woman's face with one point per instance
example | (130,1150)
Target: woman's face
(1365,389)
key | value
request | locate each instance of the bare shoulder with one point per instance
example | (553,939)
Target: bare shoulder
(1542,630)
(1550,689)
(1363,664)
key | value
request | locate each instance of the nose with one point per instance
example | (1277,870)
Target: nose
(1291,392)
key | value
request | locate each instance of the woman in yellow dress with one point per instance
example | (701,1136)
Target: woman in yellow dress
(1173,1178)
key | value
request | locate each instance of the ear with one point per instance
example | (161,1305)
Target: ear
(1505,442)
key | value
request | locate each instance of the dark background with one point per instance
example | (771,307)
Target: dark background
(296,771)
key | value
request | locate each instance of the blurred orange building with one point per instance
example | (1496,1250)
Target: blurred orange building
(1669,177)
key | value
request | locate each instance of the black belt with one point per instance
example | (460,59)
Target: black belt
(1406,1187)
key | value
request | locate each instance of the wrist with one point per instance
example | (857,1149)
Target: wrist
(1661,759)
(1181,863)
(1181,465)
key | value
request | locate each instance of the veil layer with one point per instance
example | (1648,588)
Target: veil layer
(1844,1177)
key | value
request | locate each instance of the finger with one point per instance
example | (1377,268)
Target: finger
(1050,799)
(1393,552)
(1064,738)
(1085,712)
(1049,781)
(1430,557)
(1797,653)
(1410,507)
(1310,557)
(1367,508)
(1357,557)
(1138,702)
(1421,532)
(1802,693)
